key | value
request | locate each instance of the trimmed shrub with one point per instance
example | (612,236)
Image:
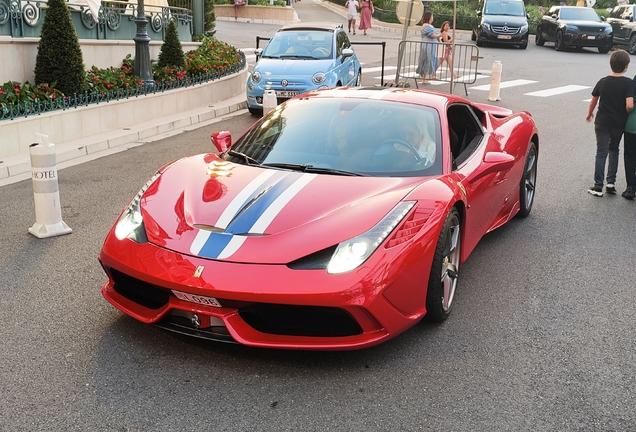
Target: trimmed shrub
(59,60)
(210,18)
(171,53)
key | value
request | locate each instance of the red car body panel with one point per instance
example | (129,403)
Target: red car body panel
(384,296)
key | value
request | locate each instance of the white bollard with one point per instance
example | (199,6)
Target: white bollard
(46,194)
(269,101)
(495,81)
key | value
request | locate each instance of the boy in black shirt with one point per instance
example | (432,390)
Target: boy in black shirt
(615,96)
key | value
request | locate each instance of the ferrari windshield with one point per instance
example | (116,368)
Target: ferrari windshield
(344,136)
(300,43)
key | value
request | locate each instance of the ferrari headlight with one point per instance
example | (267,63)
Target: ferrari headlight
(131,224)
(256,76)
(318,78)
(353,252)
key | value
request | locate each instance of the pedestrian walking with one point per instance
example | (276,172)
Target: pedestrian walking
(366,11)
(447,52)
(352,14)
(629,155)
(614,95)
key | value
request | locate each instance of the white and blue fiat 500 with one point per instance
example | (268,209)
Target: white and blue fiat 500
(302,57)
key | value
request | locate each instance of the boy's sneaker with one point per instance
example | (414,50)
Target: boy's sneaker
(610,188)
(629,193)
(596,191)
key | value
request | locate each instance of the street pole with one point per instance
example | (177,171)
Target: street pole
(143,68)
(407,22)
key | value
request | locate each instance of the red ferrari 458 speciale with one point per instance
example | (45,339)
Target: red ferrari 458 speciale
(337,221)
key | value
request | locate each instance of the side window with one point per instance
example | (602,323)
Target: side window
(465,133)
(345,42)
(341,40)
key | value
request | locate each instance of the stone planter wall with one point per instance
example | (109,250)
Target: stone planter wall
(260,14)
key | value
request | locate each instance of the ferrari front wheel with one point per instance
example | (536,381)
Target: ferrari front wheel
(528,182)
(445,269)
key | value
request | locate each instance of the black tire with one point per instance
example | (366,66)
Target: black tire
(479,43)
(631,48)
(524,45)
(444,275)
(528,182)
(605,49)
(538,39)
(558,42)
(359,78)
(255,111)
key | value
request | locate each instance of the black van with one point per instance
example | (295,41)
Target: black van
(501,22)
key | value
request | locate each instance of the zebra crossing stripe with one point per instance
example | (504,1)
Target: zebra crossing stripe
(557,90)
(505,84)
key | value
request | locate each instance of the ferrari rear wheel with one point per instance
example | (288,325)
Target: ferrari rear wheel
(445,270)
(528,182)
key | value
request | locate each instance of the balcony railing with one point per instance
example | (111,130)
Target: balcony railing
(23,18)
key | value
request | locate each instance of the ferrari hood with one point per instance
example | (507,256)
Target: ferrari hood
(288,67)
(207,207)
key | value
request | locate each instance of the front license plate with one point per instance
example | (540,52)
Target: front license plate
(286,94)
(504,37)
(591,37)
(207,301)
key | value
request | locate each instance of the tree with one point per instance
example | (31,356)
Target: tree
(210,18)
(171,54)
(59,59)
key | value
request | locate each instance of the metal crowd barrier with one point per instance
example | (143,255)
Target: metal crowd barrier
(465,58)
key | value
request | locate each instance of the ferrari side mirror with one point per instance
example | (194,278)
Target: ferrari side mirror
(222,140)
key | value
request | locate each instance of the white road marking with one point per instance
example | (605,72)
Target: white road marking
(557,90)
(505,84)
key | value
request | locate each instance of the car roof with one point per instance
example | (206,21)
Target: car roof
(326,26)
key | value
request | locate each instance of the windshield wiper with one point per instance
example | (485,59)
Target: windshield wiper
(313,169)
(296,56)
(248,159)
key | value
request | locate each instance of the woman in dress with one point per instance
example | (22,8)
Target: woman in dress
(428,62)
(447,55)
(366,10)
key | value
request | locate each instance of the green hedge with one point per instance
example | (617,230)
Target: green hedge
(466,11)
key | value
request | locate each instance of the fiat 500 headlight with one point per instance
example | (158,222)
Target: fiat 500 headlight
(256,76)
(353,252)
(131,224)
(318,78)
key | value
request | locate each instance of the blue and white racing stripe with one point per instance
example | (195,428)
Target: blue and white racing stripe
(250,212)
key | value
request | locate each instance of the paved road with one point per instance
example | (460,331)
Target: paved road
(541,337)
